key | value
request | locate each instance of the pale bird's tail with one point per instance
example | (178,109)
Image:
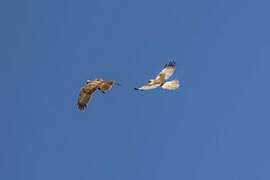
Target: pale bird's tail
(171,85)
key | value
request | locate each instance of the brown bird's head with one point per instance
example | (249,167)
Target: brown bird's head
(116,83)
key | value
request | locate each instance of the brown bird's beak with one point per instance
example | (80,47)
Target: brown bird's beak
(117,83)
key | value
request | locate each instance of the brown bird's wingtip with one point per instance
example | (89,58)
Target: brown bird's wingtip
(81,107)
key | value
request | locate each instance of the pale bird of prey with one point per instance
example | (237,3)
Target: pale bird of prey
(161,79)
(87,91)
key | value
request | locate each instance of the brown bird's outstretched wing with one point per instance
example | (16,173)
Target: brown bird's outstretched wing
(85,94)
(168,70)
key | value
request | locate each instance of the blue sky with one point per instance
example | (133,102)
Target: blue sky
(215,126)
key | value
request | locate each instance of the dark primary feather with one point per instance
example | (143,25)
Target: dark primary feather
(83,100)
(138,89)
(170,64)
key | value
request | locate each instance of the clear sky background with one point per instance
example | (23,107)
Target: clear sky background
(214,127)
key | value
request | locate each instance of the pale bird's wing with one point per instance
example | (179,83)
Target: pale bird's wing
(147,87)
(168,70)
(85,94)
(171,85)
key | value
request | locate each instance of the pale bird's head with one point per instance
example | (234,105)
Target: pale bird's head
(151,80)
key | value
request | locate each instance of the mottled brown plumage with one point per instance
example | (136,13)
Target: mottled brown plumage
(87,91)
(106,85)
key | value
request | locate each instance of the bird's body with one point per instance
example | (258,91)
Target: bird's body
(87,91)
(161,79)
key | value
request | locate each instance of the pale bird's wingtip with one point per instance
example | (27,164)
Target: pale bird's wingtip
(137,89)
(170,64)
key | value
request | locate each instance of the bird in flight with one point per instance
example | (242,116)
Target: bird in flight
(87,91)
(161,79)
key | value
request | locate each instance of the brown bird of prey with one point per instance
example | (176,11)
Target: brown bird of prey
(87,91)
(161,79)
